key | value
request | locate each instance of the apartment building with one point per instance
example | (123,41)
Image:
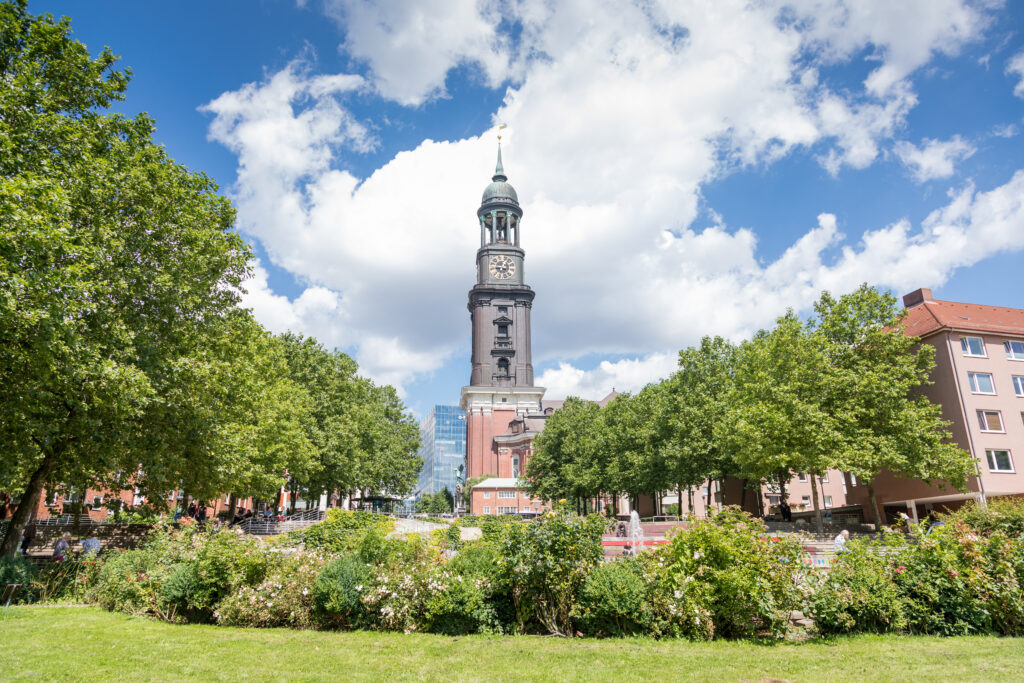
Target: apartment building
(979,382)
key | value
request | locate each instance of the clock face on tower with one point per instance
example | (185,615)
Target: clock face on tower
(502,267)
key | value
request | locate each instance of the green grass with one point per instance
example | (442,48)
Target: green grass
(86,643)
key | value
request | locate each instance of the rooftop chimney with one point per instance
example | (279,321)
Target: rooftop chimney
(918,296)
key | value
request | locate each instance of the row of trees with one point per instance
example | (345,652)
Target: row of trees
(127,361)
(838,391)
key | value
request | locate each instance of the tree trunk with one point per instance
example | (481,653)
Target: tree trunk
(231,508)
(29,502)
(874,507)
(818,524)
(782,488)
(689,495)
(760,504)
(743,495)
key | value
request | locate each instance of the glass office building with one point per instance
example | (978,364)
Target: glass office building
(442,449)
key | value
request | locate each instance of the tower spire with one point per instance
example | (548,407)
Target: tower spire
(499,170)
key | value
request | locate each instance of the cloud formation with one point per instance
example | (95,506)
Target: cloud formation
(934,158)
(618,114)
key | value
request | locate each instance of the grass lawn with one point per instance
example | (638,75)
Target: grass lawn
(86,643)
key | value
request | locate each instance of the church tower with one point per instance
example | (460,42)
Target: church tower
(501,380)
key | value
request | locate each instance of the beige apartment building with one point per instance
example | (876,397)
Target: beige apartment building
(979,382)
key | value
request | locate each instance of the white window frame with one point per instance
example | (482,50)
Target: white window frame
(487,509)
(805,500)
(983,421)
(507,509)
(976,388)
(1010,353)
(1018,385)
(487,494)
(965,346)
(991,461)
(506,494)
(828,502)
(801,476)
(824,478)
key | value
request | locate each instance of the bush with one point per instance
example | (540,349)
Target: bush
(283,598)
(859,593)
(72,580)
(342,531)
(953,581)
(339,590)
(129,581)
(613,600)
(20,570)
(1004,515)
(545,562)
(750,581)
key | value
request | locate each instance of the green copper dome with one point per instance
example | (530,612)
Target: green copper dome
(499,189)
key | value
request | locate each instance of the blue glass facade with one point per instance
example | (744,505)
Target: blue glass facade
(442,448)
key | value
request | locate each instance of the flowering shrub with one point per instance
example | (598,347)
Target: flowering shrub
(284,598)
(72,580)
(545,562)
(128,582)
(999,514)
(952,581)
(860,593)
(750,582)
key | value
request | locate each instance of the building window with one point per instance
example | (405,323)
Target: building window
(502,309)
(503,367)
(1018,385)
(774,500)
(515,467)
(1014,350)
(853,479)
(801,477)
(828,501)
(990,421)
(487,509)
(507,509)
(52,499)
(805,500)
(824,478)
(981,383)
(97,502)
(999,460)
(487,494)
(973,346)
(506,494)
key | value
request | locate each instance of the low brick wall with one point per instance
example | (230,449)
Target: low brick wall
(122,536)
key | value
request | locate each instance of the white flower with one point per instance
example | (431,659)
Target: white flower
(305,591)
(678,594)
(359,588)
(697,555)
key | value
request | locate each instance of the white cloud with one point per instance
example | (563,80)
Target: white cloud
(619,115)
(1016,66)
(411,44)
(630,374)
(935,158)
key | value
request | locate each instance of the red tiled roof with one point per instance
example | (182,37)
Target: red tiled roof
(934,316)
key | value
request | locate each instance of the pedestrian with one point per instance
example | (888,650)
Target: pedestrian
(91,546)
(28,535)
(840,541)
(786,511)
(60,550)
(192,509)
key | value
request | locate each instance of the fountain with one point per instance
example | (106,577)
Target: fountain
(636,534)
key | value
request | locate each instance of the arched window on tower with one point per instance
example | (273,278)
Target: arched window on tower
(515,466)
(503,367)
(502,234)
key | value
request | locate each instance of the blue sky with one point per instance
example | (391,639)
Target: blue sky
(685,168)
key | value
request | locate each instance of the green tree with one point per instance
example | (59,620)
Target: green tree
(693,411)
(130,364)
(886,421)
(567,461)
(778,417)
